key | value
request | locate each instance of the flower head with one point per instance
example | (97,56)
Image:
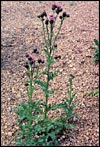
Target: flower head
(59,9)
(35,51)
(31,58)
(40,61)
(52,18)
(58,6)
(42,15)
(26,65)
(65,14)
(54,6)
(60,17)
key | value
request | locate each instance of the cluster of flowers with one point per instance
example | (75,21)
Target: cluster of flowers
(32,59)
(57,9)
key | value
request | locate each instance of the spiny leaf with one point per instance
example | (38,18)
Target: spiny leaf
(53,75)
(92,47)
(56,106)
(42,84)
(96,42)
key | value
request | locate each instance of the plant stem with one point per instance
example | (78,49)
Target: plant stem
(44,34)
(48,33)
(31,87)
(51,35)
(58,31)
(46,106)
(70,87)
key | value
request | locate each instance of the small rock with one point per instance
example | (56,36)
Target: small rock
(61,70)
(9,134)
(88,54)
(63,137)
(70,65)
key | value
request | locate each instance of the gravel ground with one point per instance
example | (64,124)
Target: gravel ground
(20,34)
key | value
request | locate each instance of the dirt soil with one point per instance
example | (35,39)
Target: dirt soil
(20,34)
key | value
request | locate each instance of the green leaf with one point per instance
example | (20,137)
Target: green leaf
(42,84)
(96,42)
(47,52)
(38,128)
(96,92)
(56,106)
(50,91)
(70,126)
(72,97)
(52,60)
(53,48)
(53,75)
(92,47)
(52,135)
(44,72)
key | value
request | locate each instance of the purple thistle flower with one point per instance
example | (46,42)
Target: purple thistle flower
(59,9)
(44,13)
(52,15)
(31,58)
(58,6)
(54,6)
(52,18)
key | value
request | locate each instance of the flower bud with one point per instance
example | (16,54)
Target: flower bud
(35,51)
(27,55)
(60,17)
(55,45)
(47,21)
(44,14)
(31,62)
(26,84)
(40,61)
(26,65)
(65,14)
(52,19)
(58,57)
(59,9)
(54,7)
(31,58)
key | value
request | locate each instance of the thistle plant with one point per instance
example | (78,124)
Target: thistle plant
(96,54)
(93,93)
(35,126)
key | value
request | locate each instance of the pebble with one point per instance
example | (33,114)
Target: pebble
(63,137)
(9,134)
(61,70)
(71,65)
